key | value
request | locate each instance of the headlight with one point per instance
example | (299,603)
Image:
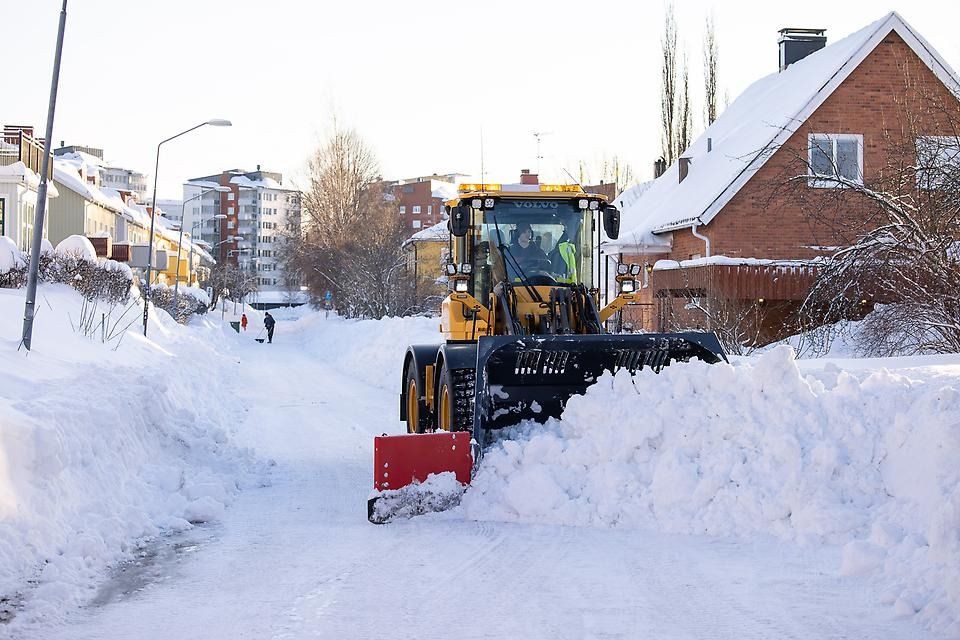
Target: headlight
(466,268)
(488,203)
(476,203)
(450,268)
(634,269)
(628,286)
(461,286)
(594,205)
(583,203)
(623,269)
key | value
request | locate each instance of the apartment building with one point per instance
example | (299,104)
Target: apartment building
(420,200)
(258,213)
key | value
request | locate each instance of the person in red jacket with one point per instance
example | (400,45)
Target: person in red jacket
(243,321)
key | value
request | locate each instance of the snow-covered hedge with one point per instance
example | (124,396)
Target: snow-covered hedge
(190,301)
(74,262)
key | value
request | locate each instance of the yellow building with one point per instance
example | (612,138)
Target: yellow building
(426,252)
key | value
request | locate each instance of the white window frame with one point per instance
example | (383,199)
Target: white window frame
(416,224)
(829,182)
(416,208)
(403,209)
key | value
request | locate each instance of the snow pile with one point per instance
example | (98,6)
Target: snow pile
(369,350)
(79,247)
(10,256)
(865,459)
(440,491)
(102,448)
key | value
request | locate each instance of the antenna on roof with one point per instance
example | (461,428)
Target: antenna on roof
(538,135)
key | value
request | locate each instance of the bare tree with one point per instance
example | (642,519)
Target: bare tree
(703,303)
(668,89)
(710,57)
(352,235)
(607,169)
(684,118)
(340,171)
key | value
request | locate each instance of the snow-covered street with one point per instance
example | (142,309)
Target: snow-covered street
(298,559)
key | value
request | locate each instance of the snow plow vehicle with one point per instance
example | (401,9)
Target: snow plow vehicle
(521,332)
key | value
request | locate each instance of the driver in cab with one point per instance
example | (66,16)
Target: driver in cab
(526,252)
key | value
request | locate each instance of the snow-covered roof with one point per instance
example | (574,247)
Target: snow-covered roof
(67,171)
(760,120)
(265,183)
(443,190)
(22,172)
(437,233)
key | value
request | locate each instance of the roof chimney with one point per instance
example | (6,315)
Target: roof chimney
(659,167)
(797,44)
(528,178)
(684,165)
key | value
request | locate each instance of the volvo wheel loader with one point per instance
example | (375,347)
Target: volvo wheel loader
(521,330)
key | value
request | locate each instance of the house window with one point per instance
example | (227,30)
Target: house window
(835,156)
(403,209)
(416,208)
(429,209)
(938,160)
(230,196)
(416,224)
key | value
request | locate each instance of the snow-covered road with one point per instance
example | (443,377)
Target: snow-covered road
(297,559)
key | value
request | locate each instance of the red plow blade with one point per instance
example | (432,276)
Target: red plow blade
(405,460)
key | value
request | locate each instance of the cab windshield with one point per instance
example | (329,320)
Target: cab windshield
(535,242)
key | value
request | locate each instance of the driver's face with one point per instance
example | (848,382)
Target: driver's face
(525,237)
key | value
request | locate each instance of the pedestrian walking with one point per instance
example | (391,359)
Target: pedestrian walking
(243,321)
(269,323)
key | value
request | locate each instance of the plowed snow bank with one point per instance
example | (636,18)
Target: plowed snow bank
(864,459)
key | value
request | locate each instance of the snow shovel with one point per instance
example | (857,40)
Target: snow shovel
(258,338)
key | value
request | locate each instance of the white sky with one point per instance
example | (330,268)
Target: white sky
(419,79)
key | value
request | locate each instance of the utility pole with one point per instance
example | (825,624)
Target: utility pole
(29,310)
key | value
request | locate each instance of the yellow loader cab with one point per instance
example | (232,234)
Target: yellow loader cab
(521,327)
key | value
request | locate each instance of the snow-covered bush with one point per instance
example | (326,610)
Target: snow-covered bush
(13,265)
(72,263)
(190,301)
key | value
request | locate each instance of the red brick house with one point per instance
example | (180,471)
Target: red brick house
(709,227)
(420,201)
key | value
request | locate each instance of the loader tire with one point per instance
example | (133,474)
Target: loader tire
(418,417)
(455,398)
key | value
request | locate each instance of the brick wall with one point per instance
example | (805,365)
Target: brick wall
(418,194)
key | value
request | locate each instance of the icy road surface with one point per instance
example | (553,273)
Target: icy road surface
(299,560)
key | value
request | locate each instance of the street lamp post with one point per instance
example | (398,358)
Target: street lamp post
(153,211)
(183,210)
(195,225)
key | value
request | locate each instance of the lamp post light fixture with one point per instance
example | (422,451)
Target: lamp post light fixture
(153,211)
(183,210)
